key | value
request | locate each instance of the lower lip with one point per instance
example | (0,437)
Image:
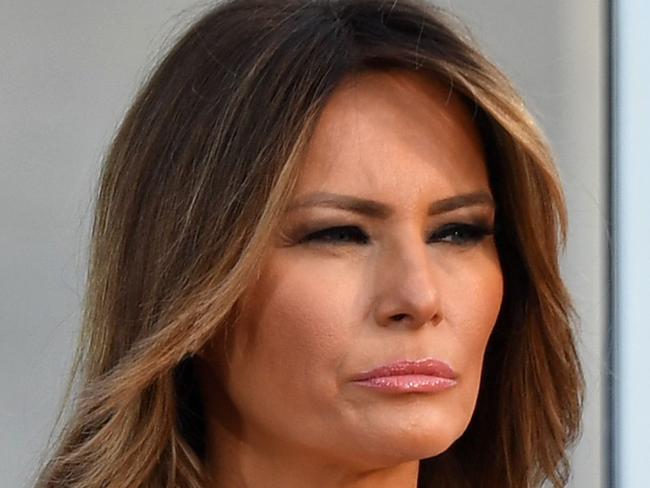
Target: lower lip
(412,383)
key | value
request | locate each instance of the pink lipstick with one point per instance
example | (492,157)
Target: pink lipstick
(422,376)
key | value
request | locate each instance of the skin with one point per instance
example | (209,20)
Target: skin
(283,409)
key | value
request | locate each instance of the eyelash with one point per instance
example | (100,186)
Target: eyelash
(458,234)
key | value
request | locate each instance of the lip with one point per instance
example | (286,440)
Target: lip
(427,375)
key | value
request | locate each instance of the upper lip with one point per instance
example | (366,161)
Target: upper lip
(427,366)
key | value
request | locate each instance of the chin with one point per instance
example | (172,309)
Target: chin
(419,435)
(427,439)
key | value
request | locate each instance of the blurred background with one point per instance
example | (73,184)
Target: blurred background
(70,68)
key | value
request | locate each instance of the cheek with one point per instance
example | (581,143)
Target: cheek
(294,328)
(474,305)
(479,302)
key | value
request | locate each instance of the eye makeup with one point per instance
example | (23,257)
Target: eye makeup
(462,233)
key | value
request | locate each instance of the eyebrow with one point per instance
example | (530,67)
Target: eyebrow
(372,208)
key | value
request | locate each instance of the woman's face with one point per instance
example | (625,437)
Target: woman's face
(385,256)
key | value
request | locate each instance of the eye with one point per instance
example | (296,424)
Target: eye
(461,234)
(348,234)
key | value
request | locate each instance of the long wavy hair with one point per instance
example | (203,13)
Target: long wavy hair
(191,191)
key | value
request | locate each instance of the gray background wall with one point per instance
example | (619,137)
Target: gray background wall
(69,70)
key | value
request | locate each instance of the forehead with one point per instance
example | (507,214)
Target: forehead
(394,130)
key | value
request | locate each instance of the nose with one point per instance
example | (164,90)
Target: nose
(407,292)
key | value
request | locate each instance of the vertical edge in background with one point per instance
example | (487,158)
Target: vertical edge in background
(611,340)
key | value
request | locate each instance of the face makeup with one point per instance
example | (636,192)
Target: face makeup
(420,376)
(360,346)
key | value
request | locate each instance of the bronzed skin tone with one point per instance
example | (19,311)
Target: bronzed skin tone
(414,274)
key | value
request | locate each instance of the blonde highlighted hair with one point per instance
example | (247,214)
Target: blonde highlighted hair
(191,191)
